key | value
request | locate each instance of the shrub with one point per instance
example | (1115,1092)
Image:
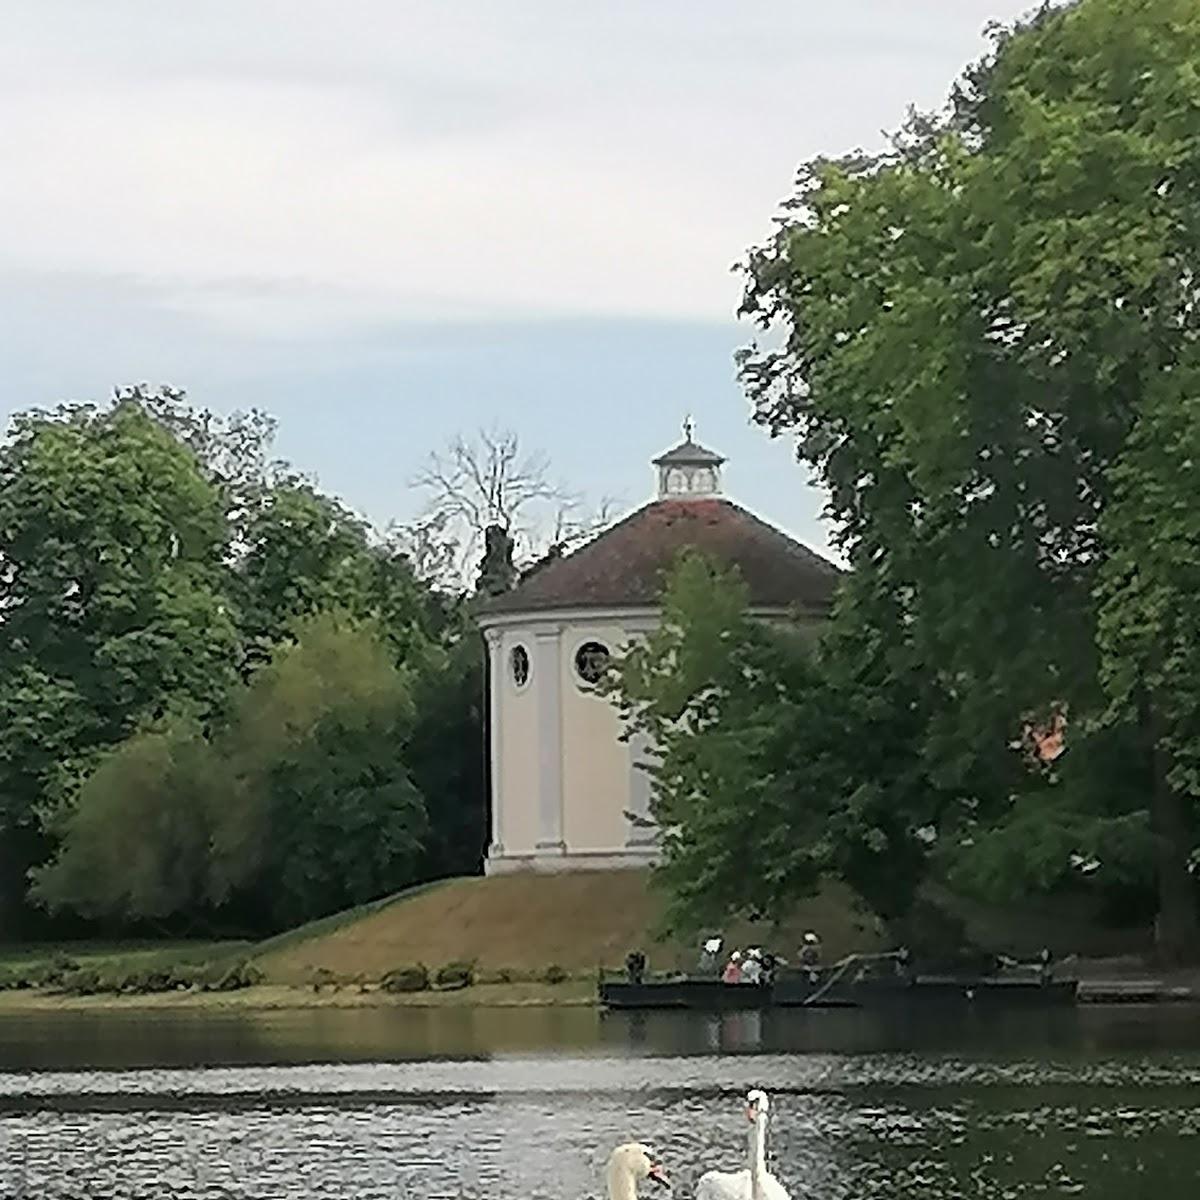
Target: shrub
(241,975)
(322,977)
(406,979)
(142,981)
(184,976)
(554,974)
(455,975)
(208,975)
(53,973)
(83,981)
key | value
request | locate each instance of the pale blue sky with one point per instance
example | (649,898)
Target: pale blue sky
(387,222)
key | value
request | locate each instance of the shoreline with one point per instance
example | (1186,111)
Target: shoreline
(1147,993)
(283,998)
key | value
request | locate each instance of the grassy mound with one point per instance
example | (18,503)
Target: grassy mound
(524,925)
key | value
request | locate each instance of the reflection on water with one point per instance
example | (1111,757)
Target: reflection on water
(498,1103)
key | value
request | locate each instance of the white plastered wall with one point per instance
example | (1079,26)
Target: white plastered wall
(563,780)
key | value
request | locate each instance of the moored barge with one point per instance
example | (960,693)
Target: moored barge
(844,985)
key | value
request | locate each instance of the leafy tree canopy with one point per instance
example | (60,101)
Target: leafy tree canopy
(987,341)
(113,609)
(300,805)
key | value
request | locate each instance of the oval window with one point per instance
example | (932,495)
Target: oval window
(592,661)
(519,663)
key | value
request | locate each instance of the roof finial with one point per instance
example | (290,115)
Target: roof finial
(689,428)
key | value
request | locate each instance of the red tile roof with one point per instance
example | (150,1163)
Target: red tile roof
(625,566)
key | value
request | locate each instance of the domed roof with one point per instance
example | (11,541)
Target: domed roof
(626,566)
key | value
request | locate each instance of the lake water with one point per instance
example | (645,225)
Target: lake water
(526,1103)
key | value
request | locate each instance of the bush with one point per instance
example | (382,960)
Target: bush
(241,975)
(54,972)
(83,981)
(323,977)
(208,975)
(554,974)
(143,981)
(455,975)
(406,979)
(184,976)
(12,979)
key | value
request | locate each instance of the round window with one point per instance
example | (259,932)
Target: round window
(592,661)
(519,662)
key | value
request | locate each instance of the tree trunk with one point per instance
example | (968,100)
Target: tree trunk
(1176,928)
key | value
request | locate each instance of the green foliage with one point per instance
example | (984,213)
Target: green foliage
(328,814)
(141,980)
(304,553)
(446,750)
(406,979)
(986,352)
(302,802)
(768,753)
(554,975)
(136,843)
(111,592)
(208,678)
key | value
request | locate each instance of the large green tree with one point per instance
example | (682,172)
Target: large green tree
(781,758)
(302,803)
(112,605)
(153,555)
(304,552)
(972,326)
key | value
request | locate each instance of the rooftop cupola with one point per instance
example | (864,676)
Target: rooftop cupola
(689,471)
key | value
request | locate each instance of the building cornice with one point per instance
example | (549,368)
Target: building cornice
(551,620)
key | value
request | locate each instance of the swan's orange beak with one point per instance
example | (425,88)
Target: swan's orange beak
(751,1115)
(658,1175)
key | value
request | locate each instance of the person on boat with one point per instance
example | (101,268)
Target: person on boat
(752,967)
(733,968)
(708,956)
(769,965)
(1045,969)
(635,966)
(810,951)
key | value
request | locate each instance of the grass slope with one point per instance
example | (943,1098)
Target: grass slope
(143,954)
(523,924)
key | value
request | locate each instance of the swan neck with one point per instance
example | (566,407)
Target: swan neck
(621,1185)
(758,1146)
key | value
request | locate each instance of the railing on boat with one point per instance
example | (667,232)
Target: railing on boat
(852,981)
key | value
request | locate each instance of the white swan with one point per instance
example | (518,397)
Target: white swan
(627,1166)
(753,1181)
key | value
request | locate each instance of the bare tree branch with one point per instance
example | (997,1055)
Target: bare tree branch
(490,480)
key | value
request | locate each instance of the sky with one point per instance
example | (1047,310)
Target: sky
(389,222)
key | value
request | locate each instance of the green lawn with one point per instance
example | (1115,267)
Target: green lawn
(128,953)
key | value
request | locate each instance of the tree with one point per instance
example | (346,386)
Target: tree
(300,805)
(135,846)
(156,559)
(774,767)
(447,751)
(112,609)
(973,324)
(325,813)
(482,487)
(1149,628)
(304,553)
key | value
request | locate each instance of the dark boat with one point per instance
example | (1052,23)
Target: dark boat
(846,985)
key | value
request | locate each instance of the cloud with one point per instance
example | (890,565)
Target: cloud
(307,167)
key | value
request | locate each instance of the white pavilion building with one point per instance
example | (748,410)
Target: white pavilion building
(566,790)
